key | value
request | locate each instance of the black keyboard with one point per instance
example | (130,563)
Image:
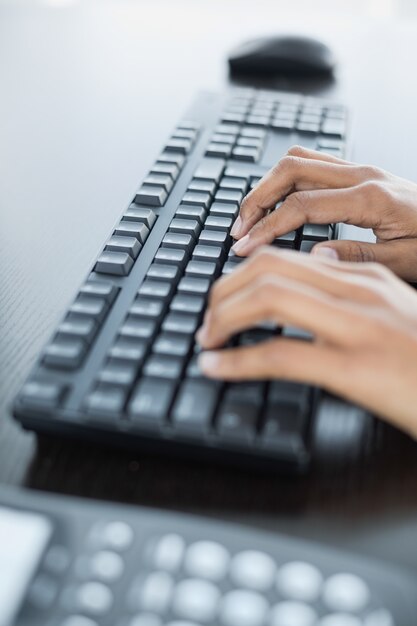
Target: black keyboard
(112,565)
(122,364)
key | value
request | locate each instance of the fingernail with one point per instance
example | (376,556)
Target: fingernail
(240,245)
(325,251)
(201,334)
(236,227)
(209,361)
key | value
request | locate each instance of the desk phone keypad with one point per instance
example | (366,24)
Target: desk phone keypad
(112,565)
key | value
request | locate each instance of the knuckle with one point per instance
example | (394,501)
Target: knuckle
(370,172)
(299,202)
(296,151)
(361,254)
(287,163)
(375,191)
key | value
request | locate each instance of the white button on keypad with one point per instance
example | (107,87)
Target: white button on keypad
(243,608)
(57,559)
(117,535)
(107,566)
(156,592)
(340,619)
(94,598)
(253,569)
(299,581)
(345,592)
(196,600)
(292,614)
(145,619)
(168,552)
(207,559)
(78,620)
(380,617)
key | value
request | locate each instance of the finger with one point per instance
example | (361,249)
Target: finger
(306,153)
(309,270)
(350,205)
(286,302)
(289,175)
(279,358)
(400,256)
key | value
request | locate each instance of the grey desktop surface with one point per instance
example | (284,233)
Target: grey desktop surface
(89,93)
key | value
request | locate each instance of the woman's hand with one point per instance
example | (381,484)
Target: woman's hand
(317,188)
(363,318)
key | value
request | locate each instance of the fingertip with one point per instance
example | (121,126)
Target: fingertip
(209,362)
(325,251)
(240,246)
(237,227)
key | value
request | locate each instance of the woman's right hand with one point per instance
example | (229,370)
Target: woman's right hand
(316,188)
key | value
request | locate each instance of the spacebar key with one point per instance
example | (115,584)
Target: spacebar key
(195,404)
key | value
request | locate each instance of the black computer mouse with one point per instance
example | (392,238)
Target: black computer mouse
(289,55)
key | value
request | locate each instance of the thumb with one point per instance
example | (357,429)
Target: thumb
(344,250)
(399,255)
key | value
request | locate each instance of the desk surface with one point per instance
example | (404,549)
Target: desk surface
(80,84)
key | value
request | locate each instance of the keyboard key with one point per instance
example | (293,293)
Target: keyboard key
(180,323)
(64,354)
(155,289)
(210,169)
(227,129)
(229,182)
(120,374)
(201,268)
(237,171)
(145,216)
(177,240)
(146,307)
(196,601)
(245,154)
(171,169)
(223,138)
(77,329)
(258,120)
(156,180)
(239,412)
(155,196)
(228,195)
(286,416)
(172,345)
(100,289)
(125,349)
(307,245)
(308,127)
(171,157)
(194,285)
(208,253)
(179,145)
(193,369)
(124,244)
(188,227)
(346,592)
(248,142)
(116,263)
(225,210)
(106,401)
(293,613)
(191,212)
(282,124)
(137,328)
(171,255)
(86,306)
(183,133)
(300,581)
(223,150)
(207,559)
(151,401)
(213,237)
(189,124)
(316,232)
(257,133)
(133,229)
(207,186)
(334,127)
(42,394)
(187,304)
(158,366)
(159,271)
(286,241)
(218,222)
(200,199)
(195,404)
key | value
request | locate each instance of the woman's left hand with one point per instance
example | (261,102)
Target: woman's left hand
(363,318)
